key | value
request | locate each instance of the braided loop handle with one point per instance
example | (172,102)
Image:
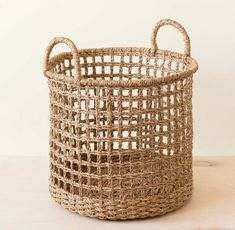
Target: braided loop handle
(73,49)
(154,46)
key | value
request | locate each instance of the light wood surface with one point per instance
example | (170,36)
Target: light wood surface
(26,204)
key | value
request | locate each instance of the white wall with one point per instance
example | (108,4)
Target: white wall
(27,26)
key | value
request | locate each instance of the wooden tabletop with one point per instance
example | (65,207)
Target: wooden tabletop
(26,204)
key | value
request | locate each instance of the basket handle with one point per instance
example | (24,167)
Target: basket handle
(154,46)
(73,49)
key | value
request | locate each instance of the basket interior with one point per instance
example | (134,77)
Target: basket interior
(135,64)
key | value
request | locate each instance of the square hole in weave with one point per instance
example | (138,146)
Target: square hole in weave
(172,99)
(125,121)
(144,92)
(125,158)
(135,70)
(114,158)
(81,60)
(93,169)
(115,168)
(135,59)
(116,69)
(105,183)
(117,59)
(90,70)
(133,133)
(151,72)
(143,70)
(144,59)
(61,184)
(165,101)
(133,145)
(66,63)
(61,172)
(116,104)
(125,105)
(93,158)
(92,133)
(83,156)
(134,104)
(107,58)
(164,139)
(115,92)
(75,166)
(83,145)
(103,158)
(134,92)
(125,70)
(94,182)
(104,145)
(134,119)
(89,59)
(83,92)
(115,133)
(93,146)
(98,69)
(83,71)
(103,133)
(125,133)
(67,164)
(91,104)
(82,117)
(104,170)
(144,104)
(91,119)
(107,70)
(125,145)
(126,59)
(115,121)
(56,181)
(156,139)
(84,169)
(164,128)
(115,145)
(125,92)
(83,105)
(82,131)
(98,59)
(101,104)
(83,180)
(164,152)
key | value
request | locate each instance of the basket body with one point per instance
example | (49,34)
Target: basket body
(121,136)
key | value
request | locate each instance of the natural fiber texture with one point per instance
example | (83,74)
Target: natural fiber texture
(121,129)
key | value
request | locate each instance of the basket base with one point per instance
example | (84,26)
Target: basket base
(121,210)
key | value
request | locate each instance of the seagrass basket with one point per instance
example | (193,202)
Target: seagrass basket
(121,128)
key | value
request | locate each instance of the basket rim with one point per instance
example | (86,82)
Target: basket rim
(138,51)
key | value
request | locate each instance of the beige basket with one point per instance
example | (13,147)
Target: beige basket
(121,128)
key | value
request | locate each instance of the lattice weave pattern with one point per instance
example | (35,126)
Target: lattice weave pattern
(121,129)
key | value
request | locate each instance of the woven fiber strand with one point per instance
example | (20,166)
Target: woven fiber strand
(121,128)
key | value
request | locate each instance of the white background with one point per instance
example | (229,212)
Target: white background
(26,27)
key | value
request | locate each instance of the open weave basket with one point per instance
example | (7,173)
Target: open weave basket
(121,128)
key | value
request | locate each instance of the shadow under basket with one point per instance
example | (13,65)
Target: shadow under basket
(121,128)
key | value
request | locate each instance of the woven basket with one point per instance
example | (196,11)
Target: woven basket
(121,128)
